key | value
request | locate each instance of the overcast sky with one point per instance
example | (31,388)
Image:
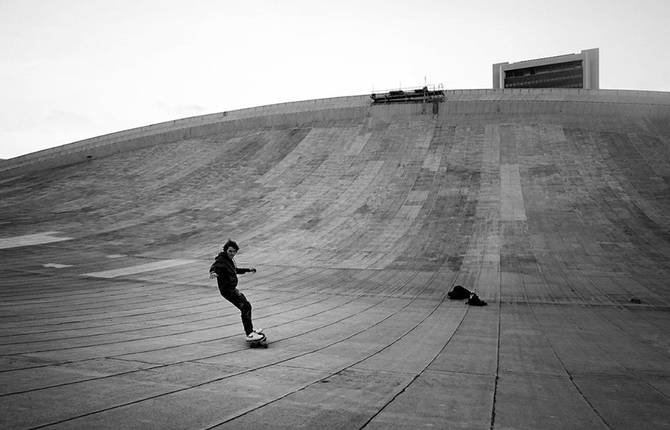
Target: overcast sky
(74,69)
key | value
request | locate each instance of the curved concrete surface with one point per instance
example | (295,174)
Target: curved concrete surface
(552,205)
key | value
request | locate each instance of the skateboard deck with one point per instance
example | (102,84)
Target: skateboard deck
(260,343)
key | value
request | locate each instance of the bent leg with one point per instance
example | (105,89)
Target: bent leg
(240,302)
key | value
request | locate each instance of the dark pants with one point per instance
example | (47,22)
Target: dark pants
(236,298)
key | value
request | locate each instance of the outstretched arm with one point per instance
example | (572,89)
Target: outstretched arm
(212,271)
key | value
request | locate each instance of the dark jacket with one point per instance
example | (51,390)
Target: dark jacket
(226,271)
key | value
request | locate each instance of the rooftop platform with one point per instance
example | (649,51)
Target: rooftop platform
(552,205)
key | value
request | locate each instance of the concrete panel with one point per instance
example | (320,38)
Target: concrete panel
(147,267)
(31,239)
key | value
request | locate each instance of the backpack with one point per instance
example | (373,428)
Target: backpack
(459,293)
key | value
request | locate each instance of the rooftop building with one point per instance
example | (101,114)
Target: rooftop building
(563,71)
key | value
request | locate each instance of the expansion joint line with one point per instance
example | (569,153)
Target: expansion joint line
(252,409)
(497,375)
(418,374)
(561,362)
(179,390)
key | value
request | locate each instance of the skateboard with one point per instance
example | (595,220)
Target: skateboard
(260,343)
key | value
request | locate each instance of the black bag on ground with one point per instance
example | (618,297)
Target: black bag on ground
(474,300)
(458,293)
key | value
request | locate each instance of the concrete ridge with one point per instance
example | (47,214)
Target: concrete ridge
(181,128)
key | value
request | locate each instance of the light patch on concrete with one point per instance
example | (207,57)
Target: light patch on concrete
(416,197)
(432,161)
(57,265)
(317,142)
(115,256)
(358,143)
(512,207)
(407,213)
(424,141)
(31,239)
(141,268)
(482,257)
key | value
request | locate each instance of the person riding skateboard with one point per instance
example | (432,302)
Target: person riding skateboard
(225,271)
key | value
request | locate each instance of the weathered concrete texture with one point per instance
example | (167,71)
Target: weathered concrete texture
(552,205)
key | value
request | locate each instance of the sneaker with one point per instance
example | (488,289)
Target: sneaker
(254,336)
(258,330)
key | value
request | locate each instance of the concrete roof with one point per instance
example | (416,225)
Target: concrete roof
(551,205)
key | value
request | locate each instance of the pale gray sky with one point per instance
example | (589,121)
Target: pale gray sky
(74,69)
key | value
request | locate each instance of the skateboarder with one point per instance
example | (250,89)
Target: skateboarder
(225,271)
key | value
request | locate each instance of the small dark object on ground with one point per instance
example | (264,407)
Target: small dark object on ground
(474,300)
(459,293)
(636,301)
